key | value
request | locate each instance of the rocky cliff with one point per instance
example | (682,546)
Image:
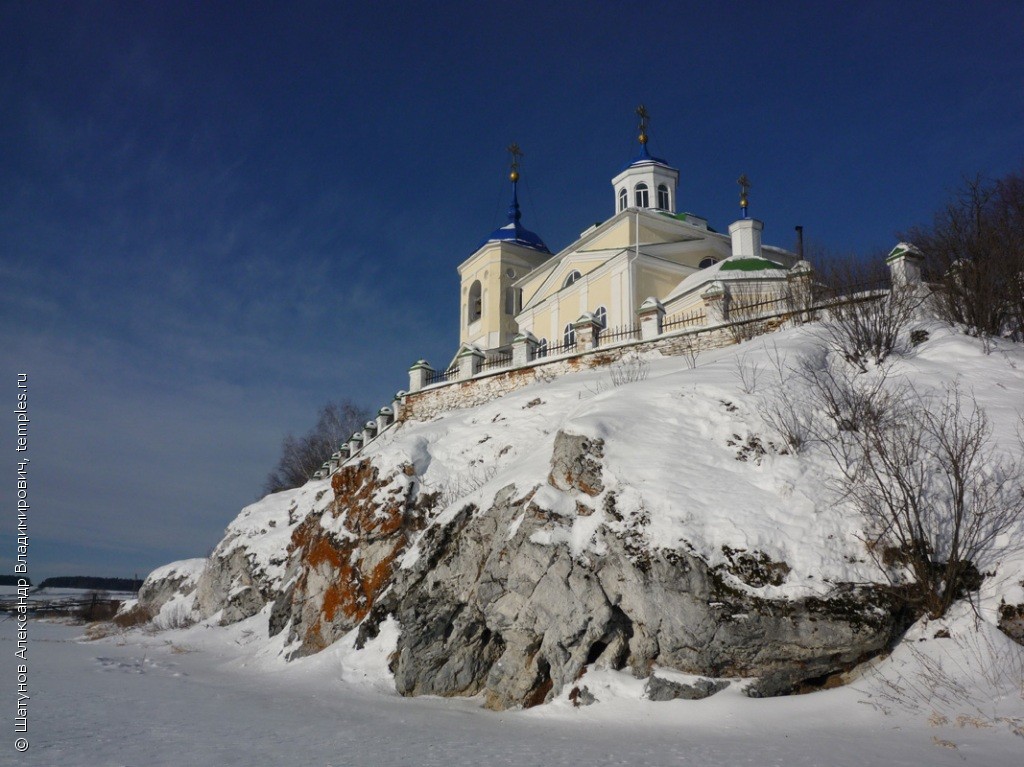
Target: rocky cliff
(651,524)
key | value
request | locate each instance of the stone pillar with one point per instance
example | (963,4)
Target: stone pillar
(335,460)
(344,452)
(651,314)
(746,237)
(800,284)
(905,264)
(418,375)
(384,418)
(369,432)
(715,300)
(469,360)
(396,403)
(355,443)
(524,349)
(587,330)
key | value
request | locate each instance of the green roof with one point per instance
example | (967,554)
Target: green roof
(749,265)
(677,216)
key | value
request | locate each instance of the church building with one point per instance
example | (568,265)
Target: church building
(650,249)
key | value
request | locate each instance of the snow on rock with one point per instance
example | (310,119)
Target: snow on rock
(344,555)
(575,526)
(171,582)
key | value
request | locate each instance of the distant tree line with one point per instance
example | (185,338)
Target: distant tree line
(301,456)
(91,582)
(12,580)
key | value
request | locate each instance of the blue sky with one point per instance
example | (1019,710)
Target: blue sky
(218,216)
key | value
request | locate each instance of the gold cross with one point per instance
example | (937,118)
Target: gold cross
(744,183)
(641,112)
(515,153)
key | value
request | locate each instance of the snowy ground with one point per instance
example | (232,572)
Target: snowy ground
(216,697)
(223,696)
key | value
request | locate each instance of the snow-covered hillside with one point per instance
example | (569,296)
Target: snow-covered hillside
(530,547)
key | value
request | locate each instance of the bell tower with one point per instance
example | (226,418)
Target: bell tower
(646,181)
(488,301)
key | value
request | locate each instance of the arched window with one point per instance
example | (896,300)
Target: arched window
(640,193)
(569,335)
(573,276)
(601,315)
(510,300)
(623,198)
(542,348)
(708,262)
(476,304)
(663,202)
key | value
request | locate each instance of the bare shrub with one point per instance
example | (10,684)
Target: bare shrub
(301,456)
(935,492)
(782,408)
(629,369)
(866,319)
(922,470)
(748,374)
(458,485)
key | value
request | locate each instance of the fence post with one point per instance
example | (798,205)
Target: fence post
(469,359)
(369,432)
(587,329)
(905,262)
(418,375)
(396,403)
(715,310)
(384,417)
(524,349)
(355,442)
(652,315)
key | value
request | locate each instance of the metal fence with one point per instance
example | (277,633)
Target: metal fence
(439,376)
(621,333)
(695,318)
(497,361)
(554,351)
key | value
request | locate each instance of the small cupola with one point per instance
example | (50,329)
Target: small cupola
(646,181)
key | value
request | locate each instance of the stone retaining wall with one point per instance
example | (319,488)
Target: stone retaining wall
(429,403)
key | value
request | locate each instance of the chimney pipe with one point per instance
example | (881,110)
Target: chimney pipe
(800,242)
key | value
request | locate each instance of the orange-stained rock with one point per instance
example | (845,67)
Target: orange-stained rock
(345,558)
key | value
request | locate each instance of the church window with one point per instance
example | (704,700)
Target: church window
(623,199)
(708,262)
(663,197)
(573,276)
(476,304)
(640,193)
(569,335)
(601,315)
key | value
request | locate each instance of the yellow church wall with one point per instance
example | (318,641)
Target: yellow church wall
(654,282)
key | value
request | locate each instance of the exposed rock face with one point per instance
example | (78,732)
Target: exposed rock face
(660,689)
(495,603)
(506,601)
(169,582)
(167,596)
(576,463)
(344,557)
(1011,621)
